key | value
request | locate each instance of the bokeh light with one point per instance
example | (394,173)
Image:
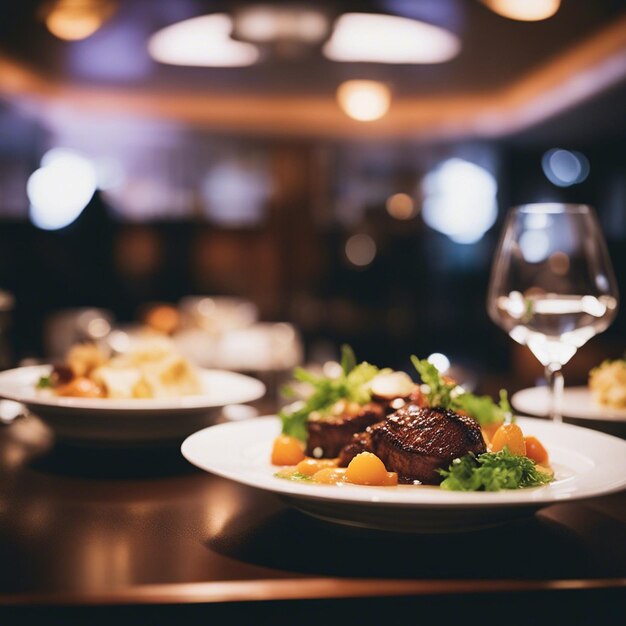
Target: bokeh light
(376,38)
(364,100)
(202,41)
(564,168)
(235,193)
(460,200)
(524,10)
(401,206)
(73,20)
(266,23)
(360,249)
(440,361)
(534,245)
(60,189)
(559,263)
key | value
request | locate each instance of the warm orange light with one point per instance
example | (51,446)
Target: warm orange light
(401,206)
(73,20)
(364,100)
(524,10)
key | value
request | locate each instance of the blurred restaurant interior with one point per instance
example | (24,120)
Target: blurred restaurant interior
(253,182)
(325,172)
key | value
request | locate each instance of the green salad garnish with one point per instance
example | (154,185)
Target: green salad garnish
(493,471)
(291,475)
(352,385)
(45,382)
(446,394)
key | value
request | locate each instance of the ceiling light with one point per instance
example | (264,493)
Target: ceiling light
(203,41)
(266,23)
(524,10)
(73,20)
(376,38)
(364,100)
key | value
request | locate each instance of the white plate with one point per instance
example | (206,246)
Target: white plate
(147,420)
(586,463)
(578,403)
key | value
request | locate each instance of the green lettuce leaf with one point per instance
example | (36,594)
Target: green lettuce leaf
(493,471)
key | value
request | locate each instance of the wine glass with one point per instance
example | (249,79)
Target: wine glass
(552,286)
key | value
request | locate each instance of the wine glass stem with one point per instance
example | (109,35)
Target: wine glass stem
(555,383)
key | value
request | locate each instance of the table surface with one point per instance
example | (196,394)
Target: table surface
(81,527)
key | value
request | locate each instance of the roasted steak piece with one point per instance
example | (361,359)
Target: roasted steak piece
(360,442)
(329,434)
(416,441)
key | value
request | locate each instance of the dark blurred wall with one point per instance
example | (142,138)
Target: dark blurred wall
(421,293)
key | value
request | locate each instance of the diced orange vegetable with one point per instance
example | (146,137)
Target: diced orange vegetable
(80,387)
(287,451)
(309,466)
(489,430)
(510,436)
(536,451)
(391,480)
(330,475)
(367,469)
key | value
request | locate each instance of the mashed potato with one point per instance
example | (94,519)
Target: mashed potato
(607,383)
(150,369)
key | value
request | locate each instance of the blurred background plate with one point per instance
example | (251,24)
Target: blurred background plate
(134,421)
(579,408)
(578,402)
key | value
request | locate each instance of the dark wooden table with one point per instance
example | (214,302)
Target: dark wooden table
(135,531)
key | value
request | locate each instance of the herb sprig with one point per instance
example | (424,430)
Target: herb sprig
(445,393)
(351,385)
(45,382)
(295,476)
(493,471)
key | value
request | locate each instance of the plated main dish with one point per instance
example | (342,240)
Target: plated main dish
(607,383)
(377,427)
(150,369)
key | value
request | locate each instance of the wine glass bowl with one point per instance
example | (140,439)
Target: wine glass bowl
(552,286)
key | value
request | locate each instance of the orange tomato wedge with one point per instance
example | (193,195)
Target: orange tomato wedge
(511,437)
(535,450)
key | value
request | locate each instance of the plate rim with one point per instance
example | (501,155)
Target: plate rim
(130,405)
(612,415)
(486,500)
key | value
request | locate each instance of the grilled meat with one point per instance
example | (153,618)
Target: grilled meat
(328,435)
(360,442)
(415,442)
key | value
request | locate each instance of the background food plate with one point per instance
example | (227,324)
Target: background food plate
(578,402)
(114,421)
(586,464)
